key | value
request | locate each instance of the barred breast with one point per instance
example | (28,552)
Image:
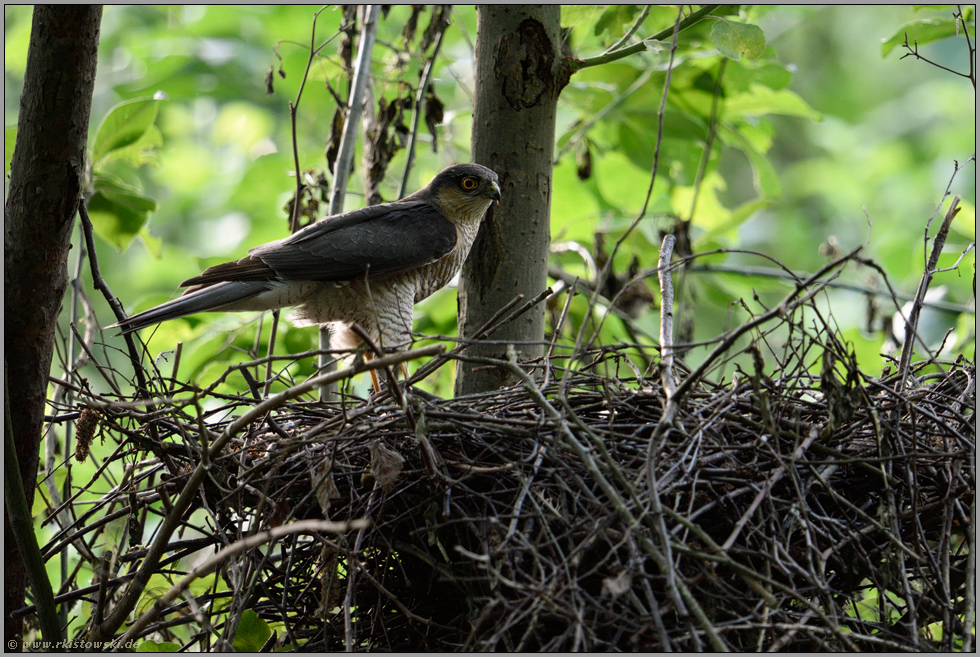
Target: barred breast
(438,274)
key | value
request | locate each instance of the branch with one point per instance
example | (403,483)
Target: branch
(667,318)
(174,518)
(913,51)
(233,550)
(576,65)
(22,527)
(355,106)
(781,309)
(345,152)
(604,274)
(630,32)
(99,283)
(912,323)
(419,99)
(293,109)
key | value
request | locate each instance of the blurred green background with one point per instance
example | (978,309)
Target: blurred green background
(824,142)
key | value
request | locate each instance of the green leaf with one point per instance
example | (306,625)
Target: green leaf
(153,244)
(252,633)
(608,18)
(153,646)
(739,77)
(923,30)
(142,151)
(9,139)
(123,126)
(762,100)
(119,213)
(763,173)
(574,15)
(737,39)
(616,16)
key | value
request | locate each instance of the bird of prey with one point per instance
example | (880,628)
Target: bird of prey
(368,266)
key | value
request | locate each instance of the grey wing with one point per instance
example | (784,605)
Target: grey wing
(377,240)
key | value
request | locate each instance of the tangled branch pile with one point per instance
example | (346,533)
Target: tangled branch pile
(805,512)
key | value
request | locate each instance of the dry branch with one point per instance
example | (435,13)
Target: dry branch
(811,506)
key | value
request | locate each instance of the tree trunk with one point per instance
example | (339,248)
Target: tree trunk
(46,177)
(519,74)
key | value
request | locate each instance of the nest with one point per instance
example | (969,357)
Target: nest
(593,504)
(801,513)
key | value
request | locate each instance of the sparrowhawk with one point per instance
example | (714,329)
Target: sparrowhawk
(369,266)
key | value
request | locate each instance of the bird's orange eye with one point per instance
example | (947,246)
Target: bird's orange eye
(469,183)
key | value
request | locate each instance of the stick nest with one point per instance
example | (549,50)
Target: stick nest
(808,512)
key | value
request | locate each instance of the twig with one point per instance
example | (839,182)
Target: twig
(631,31)
(174,517)
(655,169)
(345,152)
(19,517)
(293,110)
(578,64)
(912,324)
(709,140)
(236,548)
(349,639)
(417,114)
(667,318)
(490,327)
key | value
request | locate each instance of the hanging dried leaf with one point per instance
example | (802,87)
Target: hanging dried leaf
(326,489)
(583,161)
(333,141)
(348,28)
(408,33)
(314,191)
(133,525)
(402,131)
(384,135)
(433,116)
(269,77)
(437,25)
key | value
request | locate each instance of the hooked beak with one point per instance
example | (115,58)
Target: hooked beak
(495,194)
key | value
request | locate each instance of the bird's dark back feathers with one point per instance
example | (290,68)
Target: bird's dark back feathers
(374,241)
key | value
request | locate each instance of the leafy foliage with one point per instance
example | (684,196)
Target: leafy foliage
(252,633)
(927,30)
(787,133)
(737,39)
(766,146)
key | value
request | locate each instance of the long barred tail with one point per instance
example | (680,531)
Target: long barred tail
(210,298)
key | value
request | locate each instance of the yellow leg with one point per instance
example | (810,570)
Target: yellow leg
(374,373)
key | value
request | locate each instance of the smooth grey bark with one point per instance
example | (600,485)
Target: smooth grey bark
(46,176)
(519,75)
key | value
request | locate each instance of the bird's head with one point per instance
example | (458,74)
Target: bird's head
(463,192)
